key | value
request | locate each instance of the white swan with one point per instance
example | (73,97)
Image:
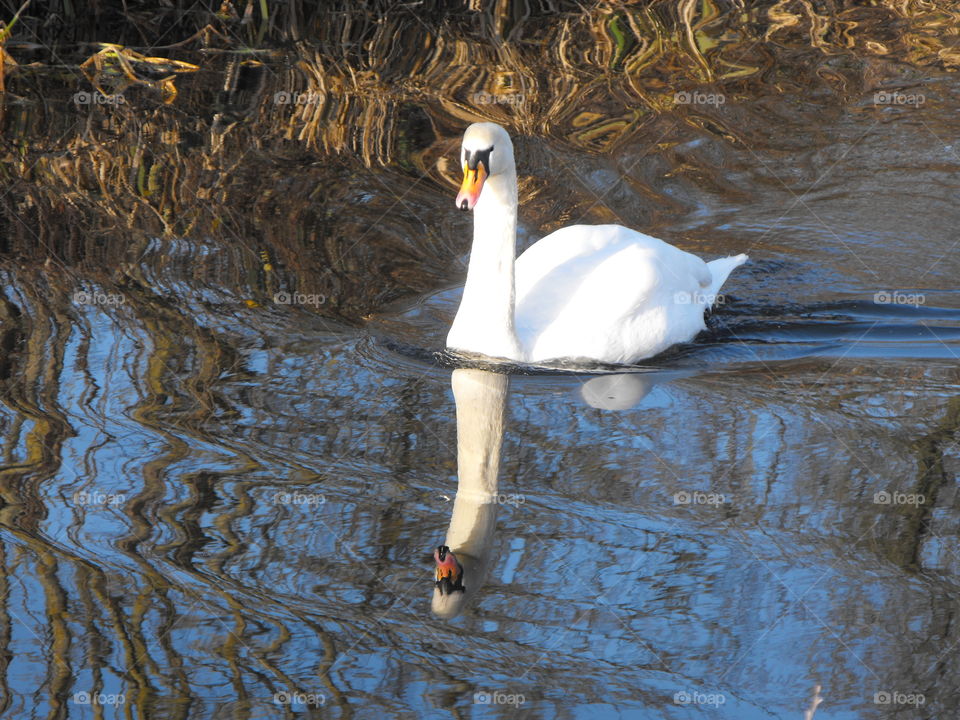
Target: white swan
(585,292)
(463,561)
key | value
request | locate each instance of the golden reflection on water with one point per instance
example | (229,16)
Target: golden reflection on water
(268,147)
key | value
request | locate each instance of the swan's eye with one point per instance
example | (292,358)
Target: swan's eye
(472,158)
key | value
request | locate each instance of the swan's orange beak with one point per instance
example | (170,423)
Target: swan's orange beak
(449,571)
(471,186)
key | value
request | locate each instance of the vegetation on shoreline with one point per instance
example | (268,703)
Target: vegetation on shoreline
(251,125)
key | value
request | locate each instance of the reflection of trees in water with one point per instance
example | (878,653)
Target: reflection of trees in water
(134,623)
(933,480)
(202,582)
(200,578)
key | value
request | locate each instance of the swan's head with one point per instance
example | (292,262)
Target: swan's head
(486,152)
(457,581)
(449,571)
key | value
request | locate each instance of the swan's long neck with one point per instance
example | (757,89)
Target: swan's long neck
(481,398)
(485,321)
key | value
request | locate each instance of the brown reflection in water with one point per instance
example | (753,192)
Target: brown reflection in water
(130,613)
(932,480)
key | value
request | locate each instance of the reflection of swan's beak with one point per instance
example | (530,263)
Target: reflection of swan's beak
(471,186)
(449,571)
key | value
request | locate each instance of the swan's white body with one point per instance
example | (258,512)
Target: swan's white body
(585,292)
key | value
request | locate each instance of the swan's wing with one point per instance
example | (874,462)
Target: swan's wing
(606,292)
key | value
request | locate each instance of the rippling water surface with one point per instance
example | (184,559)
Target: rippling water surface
(229,436)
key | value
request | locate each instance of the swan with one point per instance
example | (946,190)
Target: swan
(464,559)
(602,293)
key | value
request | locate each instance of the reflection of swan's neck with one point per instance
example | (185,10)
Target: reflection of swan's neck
(485,320)
(480,397)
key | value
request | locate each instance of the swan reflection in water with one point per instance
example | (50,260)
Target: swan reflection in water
(465,558)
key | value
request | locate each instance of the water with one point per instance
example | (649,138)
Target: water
(230,439)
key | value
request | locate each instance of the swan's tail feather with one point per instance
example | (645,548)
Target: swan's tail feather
(720,270)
